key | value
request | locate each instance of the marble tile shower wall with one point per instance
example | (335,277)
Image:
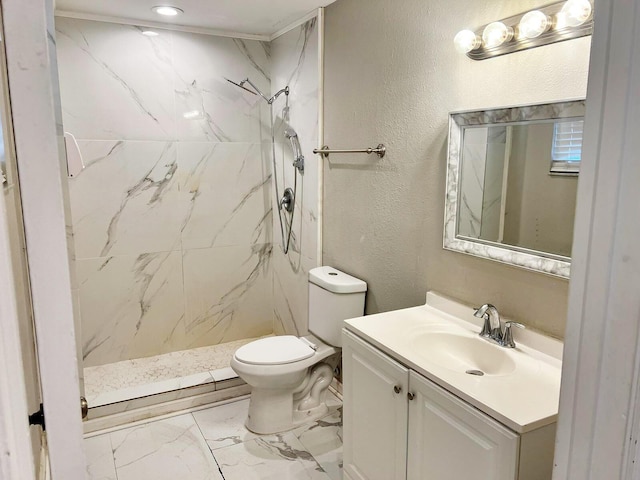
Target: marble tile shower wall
(172,216)
(294,62)
(483,159)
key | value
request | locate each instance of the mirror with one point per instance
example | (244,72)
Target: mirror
(512,180)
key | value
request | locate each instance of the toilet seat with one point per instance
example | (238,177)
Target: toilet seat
(274,351)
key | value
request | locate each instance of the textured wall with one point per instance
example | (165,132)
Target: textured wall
(294,62)
(172,215)
(392,75)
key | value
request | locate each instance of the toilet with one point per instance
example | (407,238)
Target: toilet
(288,376)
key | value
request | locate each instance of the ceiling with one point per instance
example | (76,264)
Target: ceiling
(251,17)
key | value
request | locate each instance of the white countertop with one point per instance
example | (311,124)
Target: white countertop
(524,400)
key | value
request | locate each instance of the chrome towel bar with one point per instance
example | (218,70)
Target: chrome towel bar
(380,150)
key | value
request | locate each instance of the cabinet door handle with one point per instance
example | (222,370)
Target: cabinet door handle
(411,395)
(397,388)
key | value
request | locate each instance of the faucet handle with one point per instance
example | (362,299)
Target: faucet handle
(514,324)
(507,336)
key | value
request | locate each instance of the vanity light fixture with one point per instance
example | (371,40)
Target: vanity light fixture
(167,10)
(554,23)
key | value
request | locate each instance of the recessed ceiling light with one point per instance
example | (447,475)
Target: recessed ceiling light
(167,11)
(150,33)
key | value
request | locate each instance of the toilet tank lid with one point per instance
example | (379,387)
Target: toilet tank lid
(336,281)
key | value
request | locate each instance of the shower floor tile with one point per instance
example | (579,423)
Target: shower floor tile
(214,444)
(129,379)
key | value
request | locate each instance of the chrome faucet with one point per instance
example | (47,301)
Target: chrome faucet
(492,328)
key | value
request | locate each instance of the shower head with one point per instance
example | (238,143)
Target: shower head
(256,90)
(241,85)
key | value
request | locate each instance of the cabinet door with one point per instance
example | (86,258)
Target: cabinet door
(375,413)
(451,440)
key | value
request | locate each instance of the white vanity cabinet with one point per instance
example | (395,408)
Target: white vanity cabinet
(449,439)
(399,425)
(375,414)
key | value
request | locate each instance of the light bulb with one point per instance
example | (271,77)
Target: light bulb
(533,24)
(150,33)
(167,11)
(465,41)
(574,13)
(495,34)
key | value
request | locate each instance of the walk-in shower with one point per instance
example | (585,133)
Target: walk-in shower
(177,258)
(287,201)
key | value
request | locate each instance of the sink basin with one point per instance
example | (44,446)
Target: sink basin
(463,354)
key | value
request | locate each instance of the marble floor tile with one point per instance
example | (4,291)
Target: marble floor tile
(168,449)
(282,457)
(214,444)
(223,426)
(100,462)
(323,440)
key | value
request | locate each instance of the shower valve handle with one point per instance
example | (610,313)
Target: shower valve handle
(287,200)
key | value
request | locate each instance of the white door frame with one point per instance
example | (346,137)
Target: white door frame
(16,456)
(599,418)
(35,104)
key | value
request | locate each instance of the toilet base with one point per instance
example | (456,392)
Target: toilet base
(277,410)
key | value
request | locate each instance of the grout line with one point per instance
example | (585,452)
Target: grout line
(113,455)
(207,444)
(219,467)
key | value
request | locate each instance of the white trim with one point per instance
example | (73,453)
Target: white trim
(294,24)
(599,422)
(16,456)
(172,408)
(161,25)
(176,413)
(34,93)
(321,16)
(45,468)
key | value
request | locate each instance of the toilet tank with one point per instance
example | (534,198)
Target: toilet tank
(334,296)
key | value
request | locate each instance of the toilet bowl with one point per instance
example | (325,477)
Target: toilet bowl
(289,376)
(289,386)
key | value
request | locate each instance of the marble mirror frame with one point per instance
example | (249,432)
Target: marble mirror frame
(512,255)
